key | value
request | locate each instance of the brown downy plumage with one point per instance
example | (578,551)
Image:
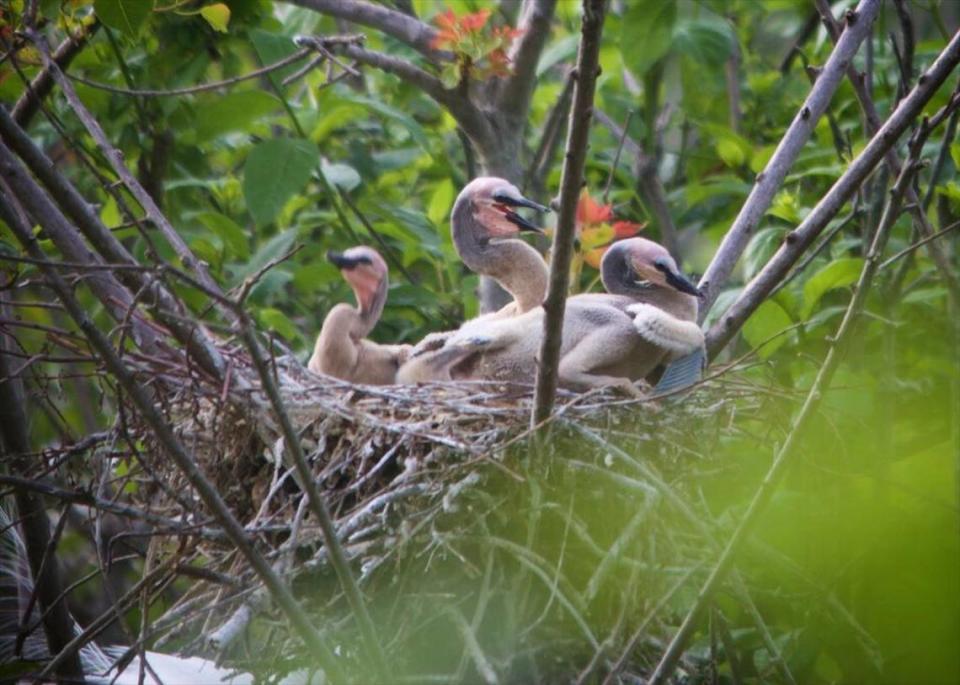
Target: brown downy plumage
(483,225)
(342,349)
(647,317)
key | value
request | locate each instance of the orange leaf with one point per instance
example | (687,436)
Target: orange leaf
(625,229)
(589,212)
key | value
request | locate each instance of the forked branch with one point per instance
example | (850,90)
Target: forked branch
(797,241)
(859,22)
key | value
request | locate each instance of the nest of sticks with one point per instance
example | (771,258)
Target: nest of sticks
(484,553)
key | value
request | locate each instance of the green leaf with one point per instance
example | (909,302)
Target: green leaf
(272,47)
(274,172)
(343,176)
(234,237)
(416,130)
(769,319)
(218,16)
(647,33)
(276,321)
(276,247)
(334,119)
(232,112)
(565,48)
(955,154)
(786,206)
(450,75)
(730,152)
(126,16)
(836,274)
(440,202)
(760,248)
(709,40)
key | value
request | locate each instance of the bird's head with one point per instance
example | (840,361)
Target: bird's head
(639,263)
(364,269)
(494,202)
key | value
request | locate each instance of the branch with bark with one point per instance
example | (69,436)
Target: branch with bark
(571,180)
(892,159)
(797,241)
(858,26)
(162,303)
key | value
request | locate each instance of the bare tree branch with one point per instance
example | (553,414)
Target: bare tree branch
(115,157)
(859,23)
(174,448)
(513,97)
(29,103)
(117,299)
(550,139)
(399,25)
(162,303)
(649,188)
(578,133)
(468,115)
(892,159)
(801,237)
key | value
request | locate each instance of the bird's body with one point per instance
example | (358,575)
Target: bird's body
(609,339)
(483,226)
(342,350)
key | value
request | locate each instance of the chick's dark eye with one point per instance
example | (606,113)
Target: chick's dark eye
(661,266)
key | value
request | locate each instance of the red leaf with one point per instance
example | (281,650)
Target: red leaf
(625,229)
(471,23)
(589,212)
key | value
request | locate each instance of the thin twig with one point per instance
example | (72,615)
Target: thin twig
(920,243)
(616,157)
(173,447)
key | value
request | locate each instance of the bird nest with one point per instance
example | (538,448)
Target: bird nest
(483,551)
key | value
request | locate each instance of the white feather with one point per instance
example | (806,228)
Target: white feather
(665,330)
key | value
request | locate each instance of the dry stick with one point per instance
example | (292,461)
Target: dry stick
(859,22)
(571,180)
(648,185)
(616,157)
(800,238)
(29,103)
(172,446)
(778,467)
(192,90)
(317,503)
(115,157)
(892,159)
(920,243)
(162,303)
(552,130)
(115,298)
(48,585)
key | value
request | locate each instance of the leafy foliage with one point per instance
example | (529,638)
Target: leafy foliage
(854,565)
